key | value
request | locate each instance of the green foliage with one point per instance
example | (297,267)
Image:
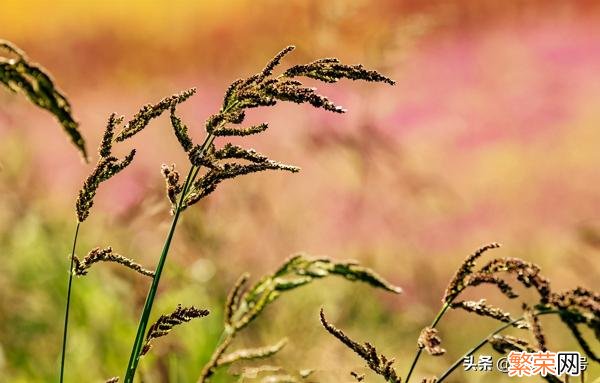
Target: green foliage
(245,305)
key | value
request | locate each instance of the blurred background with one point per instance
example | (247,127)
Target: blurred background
(491,134)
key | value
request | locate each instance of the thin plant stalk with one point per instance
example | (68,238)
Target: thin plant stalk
(68,305)
(484,341)
(143,324)
(438,317)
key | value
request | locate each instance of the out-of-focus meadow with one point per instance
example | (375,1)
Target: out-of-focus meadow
(491,134)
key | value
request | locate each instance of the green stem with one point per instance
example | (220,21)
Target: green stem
(436,320)
(68,306)
(143,323)
(484,342)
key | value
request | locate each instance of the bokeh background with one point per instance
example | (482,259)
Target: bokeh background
(491,134)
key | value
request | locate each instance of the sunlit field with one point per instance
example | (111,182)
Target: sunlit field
(489,135)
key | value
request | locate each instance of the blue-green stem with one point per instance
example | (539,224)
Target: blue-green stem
(68,306)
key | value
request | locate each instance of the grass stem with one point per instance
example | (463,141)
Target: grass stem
(68,305)
(436,320)
(483,342)
(143,323)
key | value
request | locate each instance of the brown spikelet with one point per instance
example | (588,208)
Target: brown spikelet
(152,111)
(219,173)
(357,376)
(107,140)
(331,70)
(268,70)
(376,362)
(457,284)
(579,307)
(429,380)
(106,255)
(482,308)
(105,168)
(261,89)
(237,131)
(430,340)
(180,130)
(19,74)
(533,322)
(503,344)
(173,185)
(527,273)
(477,279)
(165,324)
(113,380)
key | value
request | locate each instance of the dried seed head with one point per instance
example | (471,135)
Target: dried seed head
(21,75)
(503,344)
(533,322)
(221,170)
(151,111)
(181,131)
(457,284)
(173,185)
(476,279)
(237,131)
(579,307)
(106,255)
(482,308)
(165,324)
(106,167)
(113,380)
(107,140)
(330,70)
(430,340)
(527,273)
(376,362)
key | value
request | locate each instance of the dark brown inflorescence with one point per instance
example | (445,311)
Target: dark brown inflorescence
(106,255)
(429,339)
(109,165)
(151,111)
(165,323)
(482,308)
(378,363)
(459,281)
(579,307)
(261,89)
(504,344)
(534,324)
(18,74)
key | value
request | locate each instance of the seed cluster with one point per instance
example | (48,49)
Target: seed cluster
(106,255)
(165,323)
(261,89)
(18,74)
(429,339)
(378,363)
